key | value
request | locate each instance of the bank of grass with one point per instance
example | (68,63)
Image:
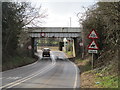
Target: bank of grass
(92,79)
(70,53)
(84,65)
(17,61)
(103,77)
(106,78)
(107,81)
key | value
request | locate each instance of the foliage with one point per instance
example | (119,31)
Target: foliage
(104,18)
(107,81)
(70,53)
(48,42)
(15,16)
(17,61)
(11,26)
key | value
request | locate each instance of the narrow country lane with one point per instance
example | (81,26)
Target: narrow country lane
(45,73)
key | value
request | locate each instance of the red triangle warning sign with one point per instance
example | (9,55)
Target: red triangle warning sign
(93,45)
(93,35)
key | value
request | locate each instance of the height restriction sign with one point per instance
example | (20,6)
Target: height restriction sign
(42,34)
(93,35)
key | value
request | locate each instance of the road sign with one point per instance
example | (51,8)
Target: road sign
(93,35)
(42,34)
(81,44)
(29,47)
(92,51)
(93,45)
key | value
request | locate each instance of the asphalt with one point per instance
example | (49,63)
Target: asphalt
(54,72)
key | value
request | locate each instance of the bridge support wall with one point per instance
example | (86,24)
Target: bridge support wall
(75,47)
(32,44)
(35,46)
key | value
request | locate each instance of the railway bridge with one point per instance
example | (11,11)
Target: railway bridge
(56,32)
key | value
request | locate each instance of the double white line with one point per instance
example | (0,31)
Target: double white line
(44,70)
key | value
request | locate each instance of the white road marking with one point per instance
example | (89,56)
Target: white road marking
(31,64)
(47,68)
(75,82)
(13,77)
(44,70)
(30,77)
(2,77)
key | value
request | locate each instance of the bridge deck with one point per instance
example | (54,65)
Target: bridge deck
(54,31)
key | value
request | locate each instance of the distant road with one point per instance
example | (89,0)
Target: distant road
(45,73)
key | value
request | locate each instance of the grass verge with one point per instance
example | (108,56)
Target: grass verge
(97,78)
(17,61)
(70,53)
(107,81)
(84,65)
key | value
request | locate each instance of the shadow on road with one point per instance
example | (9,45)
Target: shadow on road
(72,59)
(46,59)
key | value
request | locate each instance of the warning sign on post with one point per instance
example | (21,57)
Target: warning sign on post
(93,45)
(93,35)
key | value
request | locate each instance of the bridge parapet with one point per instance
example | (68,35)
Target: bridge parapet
(55,32)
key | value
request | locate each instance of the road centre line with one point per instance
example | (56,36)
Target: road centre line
(53,62)
(30,76)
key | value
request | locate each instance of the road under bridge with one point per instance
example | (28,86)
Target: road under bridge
(55,32)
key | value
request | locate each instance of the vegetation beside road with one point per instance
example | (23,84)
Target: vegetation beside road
(52,48)
(70,54)
(15,17)
(103,17)
(100,77)
(84,65)
(17,61)
(106,81)
(103,77)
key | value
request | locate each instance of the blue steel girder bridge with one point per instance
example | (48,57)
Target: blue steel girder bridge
(58,32)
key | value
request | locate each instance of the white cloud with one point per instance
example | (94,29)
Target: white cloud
(59,13)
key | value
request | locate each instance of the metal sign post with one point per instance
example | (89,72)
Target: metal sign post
(92,60)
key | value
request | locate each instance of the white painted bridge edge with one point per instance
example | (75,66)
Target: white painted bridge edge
(55,32)
(59,35)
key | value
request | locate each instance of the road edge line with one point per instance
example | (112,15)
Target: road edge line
(75,83)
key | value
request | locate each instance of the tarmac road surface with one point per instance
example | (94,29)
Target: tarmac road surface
(48,72)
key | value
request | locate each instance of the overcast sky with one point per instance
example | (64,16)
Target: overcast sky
(60,12)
